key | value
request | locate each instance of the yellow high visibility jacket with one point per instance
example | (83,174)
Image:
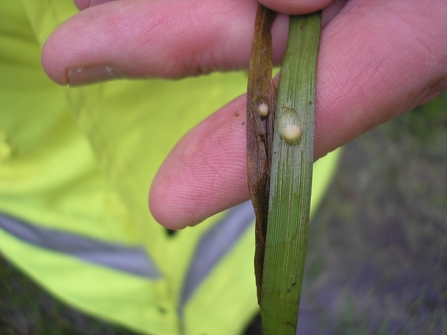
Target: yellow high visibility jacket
(75,169)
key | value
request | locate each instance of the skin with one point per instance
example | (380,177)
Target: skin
(377,59)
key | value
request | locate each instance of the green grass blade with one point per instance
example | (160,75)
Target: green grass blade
(291,179)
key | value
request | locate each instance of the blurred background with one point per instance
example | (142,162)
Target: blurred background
(377,259)
(377,252)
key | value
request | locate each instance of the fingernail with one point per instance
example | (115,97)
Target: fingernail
(90,75)
(98,2)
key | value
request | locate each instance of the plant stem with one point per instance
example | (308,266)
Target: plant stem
(261,100)
(291,179)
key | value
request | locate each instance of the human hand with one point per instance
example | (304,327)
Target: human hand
(377,60)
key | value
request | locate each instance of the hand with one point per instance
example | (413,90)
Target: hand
(378,59)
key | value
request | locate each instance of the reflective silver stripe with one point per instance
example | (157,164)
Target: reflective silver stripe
(214,245)
(133,260)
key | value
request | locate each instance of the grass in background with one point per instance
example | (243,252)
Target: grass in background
(378,245)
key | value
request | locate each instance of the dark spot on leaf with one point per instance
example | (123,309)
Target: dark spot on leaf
(290,324)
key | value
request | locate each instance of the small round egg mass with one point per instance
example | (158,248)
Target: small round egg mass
(290,126)
(263,110)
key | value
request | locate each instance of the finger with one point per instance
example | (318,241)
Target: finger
(296,7)
(205,166)
(332,11)
(291,7)
(369,72)
(83,4)
(160,38)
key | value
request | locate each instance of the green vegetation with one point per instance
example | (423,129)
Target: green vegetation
(291,179)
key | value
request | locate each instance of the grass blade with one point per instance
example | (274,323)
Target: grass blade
(291,179)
